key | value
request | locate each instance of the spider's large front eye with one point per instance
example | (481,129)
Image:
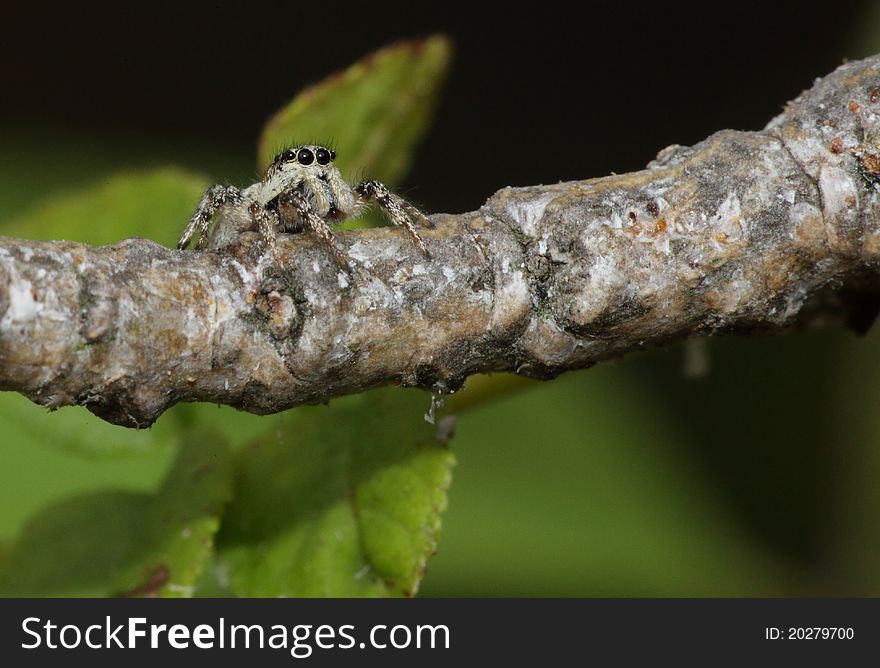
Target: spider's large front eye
(288,155)
(305,157)
(322,155)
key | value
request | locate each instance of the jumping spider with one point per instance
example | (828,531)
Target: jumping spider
(302,189)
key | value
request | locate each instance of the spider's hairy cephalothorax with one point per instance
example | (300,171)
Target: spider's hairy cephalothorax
(302,190)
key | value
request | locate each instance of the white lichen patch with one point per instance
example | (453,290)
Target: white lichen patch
(793,304)
(313,297)
(247,277)
(312,343)
(659,243)
(546,342)
(400,276)
(839,193)
(737,293)
(807,226)
(607,279)
(727,222)
(23,307)
(512,301)
(194,324)
(840,199)
(787,196)
(361,252)
(527,213)
(376,295)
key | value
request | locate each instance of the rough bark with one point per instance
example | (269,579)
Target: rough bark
(744,232)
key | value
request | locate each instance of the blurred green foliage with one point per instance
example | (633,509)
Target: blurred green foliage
(127,543)
(122,206)
(373,113)
(760,479)
(351,507)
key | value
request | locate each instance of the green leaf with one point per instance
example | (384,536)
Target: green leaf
(346,503)
(74,429)
(125,543)
(155,204)
(239,428)
(373,113)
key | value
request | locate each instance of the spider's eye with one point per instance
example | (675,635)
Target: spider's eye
(305,157)
(332,156)
(322,155)
(288,155)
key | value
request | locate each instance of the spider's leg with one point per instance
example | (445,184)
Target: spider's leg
(318,195)
(297,204)
(399,211)
(267,222)
(214,199)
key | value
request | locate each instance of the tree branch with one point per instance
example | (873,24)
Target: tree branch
(744,232)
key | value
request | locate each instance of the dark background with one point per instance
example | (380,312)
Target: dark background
(780,436)
(542,92)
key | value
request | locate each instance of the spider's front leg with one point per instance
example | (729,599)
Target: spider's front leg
(216,197)
(267,222)
(294,207)
(399,211)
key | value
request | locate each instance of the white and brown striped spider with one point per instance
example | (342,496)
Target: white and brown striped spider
(302,190)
